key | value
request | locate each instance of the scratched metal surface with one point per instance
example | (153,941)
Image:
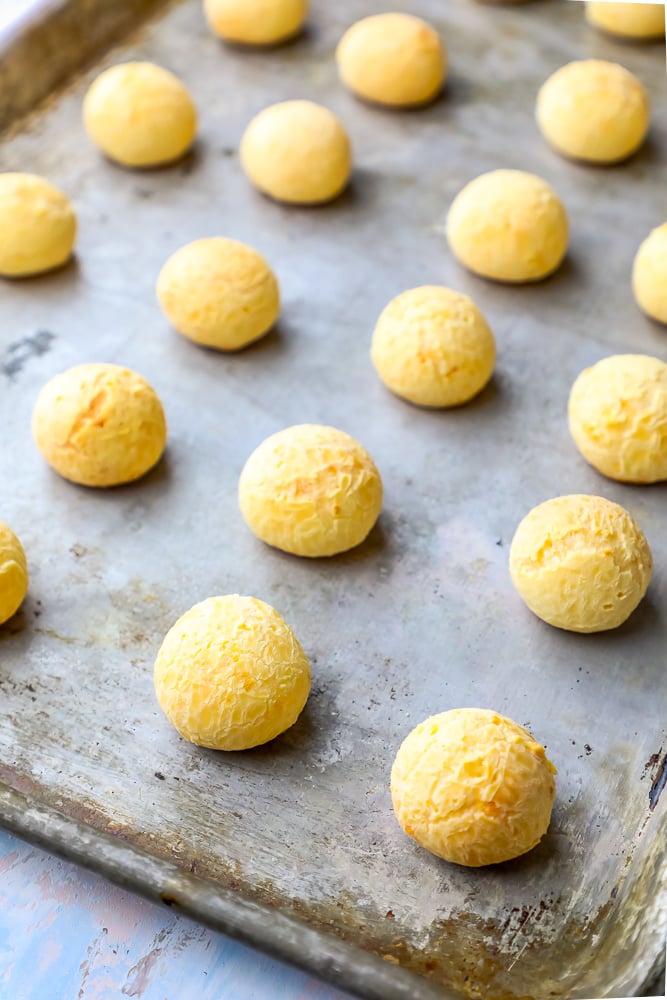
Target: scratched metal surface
(42,42)
(423,616)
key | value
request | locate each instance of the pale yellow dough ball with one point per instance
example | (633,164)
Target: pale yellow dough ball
(433,347)
(297,152)
(256,22)
(219,292)
(618,417)
(140,115)
(473,787)
(580,563)
(310,490)
(593,110)
(509,226)
(649,274)
(99,425)
(629,20)
(37,225)
(393,59)
(13,573)
(231,674)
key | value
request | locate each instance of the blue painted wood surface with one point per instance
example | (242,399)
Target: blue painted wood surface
(66,933)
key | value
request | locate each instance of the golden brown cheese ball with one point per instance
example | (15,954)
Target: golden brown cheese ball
(140,115)
(473,787)
(297,152)
(392,59)
(219,292)
(37,225)
(433,347)
(593,110)
(509,226)
(618,417)
(310,490)
(649,274)
(256,22)
(231,674)
(629,20)
(13,573)
(99,425)
(580,563)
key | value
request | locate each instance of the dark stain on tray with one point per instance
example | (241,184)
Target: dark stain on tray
(13,625)
(651,764)
(69,640)
(658,785)
(21,351)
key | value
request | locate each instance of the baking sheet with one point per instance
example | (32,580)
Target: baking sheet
(423,616)
(48,40)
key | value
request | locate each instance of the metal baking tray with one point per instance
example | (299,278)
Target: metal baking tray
(293,846)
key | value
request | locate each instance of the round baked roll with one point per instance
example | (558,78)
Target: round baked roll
(593,110)
(297,152)
(433,347)
(37,225)
(256,22)
(99,425)
(629,20)
(310,490)
(13,573)
(618,417)
(140,115)
(509,226)
(393,59)
(231,674)
(473,787)
(649,274)
(219,292)
(580,563)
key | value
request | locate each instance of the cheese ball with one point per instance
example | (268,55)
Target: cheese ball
(629,20)
(310,490)
(297,152)
(580,563)
(219,292)
(433,347)
(618,417)
(231,674)
(649,274)
(140,115)
(99,425)
(13,573)
(392,59)
(256,22)
(593,110)
(37,226)
(473,787)
(509,226)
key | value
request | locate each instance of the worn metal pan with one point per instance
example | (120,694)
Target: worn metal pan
(293,846)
